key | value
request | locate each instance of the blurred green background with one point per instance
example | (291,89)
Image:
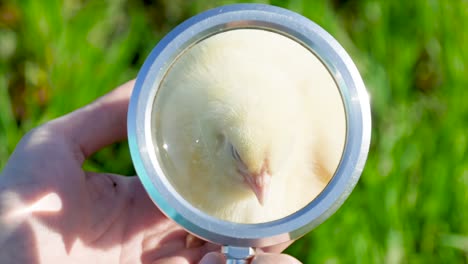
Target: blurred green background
(411,204)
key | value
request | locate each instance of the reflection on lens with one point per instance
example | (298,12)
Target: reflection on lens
(249,125)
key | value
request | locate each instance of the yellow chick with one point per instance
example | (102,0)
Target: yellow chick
(250,126)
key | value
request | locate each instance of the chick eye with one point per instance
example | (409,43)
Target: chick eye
(235,154)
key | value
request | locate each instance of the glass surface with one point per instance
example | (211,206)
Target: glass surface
(249,125)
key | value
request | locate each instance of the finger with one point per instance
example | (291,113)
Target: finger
(277,248)
(192,241)
(187,256)
(270,258)
(264,258)
(98,124)
(213,258)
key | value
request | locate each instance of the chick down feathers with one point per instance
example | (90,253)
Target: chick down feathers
(245,102)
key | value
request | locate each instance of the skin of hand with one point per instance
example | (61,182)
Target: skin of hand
(52,211)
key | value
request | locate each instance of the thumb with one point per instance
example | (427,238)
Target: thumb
(271,258)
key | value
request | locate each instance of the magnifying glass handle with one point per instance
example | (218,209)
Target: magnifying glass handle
(237,261)
(237,255)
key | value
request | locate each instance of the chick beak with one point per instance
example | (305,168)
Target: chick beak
(260,184)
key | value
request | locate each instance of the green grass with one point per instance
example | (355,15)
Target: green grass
(411,204)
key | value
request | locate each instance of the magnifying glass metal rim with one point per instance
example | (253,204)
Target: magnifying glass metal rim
(144,151)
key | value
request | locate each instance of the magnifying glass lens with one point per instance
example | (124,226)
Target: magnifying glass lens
(249,125)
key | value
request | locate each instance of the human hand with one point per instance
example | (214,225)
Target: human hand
(52,211)
(259,258)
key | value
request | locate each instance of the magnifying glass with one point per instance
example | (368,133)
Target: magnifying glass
(249,125)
